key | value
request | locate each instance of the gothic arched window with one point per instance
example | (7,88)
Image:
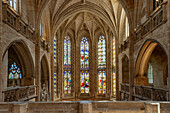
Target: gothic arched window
(14,72)
(55,60)
(15,75)
(67,65)
(101,65)
(150,74)
(13,4)
(114,67)
(84,65)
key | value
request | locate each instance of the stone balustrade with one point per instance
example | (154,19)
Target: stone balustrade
(157,18)
(123,46)
(19,93)
(14,20)
(46,46)
(85,107)
(144,93)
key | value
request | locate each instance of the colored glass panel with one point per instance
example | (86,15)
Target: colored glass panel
(102,82)
(14,72)
(55,52)
(102,53)
(114,83)
(114,52)
(84,52)
(67,82)
(84,81)
(67,53)
(114,65)
(55,81)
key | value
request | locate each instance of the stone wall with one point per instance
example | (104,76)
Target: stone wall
(86,107)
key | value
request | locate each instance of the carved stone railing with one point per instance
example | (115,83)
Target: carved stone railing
(145,93)
(124,91)
(20,93)
(46,46)
(123,46)
(157,18)
(14,20)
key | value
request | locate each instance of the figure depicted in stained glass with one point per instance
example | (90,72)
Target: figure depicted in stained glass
(102,82)
(101,65)
(84,65)
(84,82)
(67,82)
(84,52)
(102,53)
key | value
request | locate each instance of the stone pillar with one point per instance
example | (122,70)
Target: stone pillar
(168,28)
(131,65)
(85,108)
(1,97)
(92,83)
(117,68)
(19,108)
(109,65)
(37,64)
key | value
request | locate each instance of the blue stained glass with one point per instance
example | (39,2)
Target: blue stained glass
(84,54)
(14,72)
(55,52)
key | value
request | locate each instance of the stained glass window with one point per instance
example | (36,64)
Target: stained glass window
(150,74)
(102,82)
(84,81)
(67,82)
(84,52)
(84,65)
(114,83)
(55,60)
(67,53)
(102,53)
(114,52)
(67,65)
(55,85)
(14,72)
(114,65)
(101,65)
(55,52)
